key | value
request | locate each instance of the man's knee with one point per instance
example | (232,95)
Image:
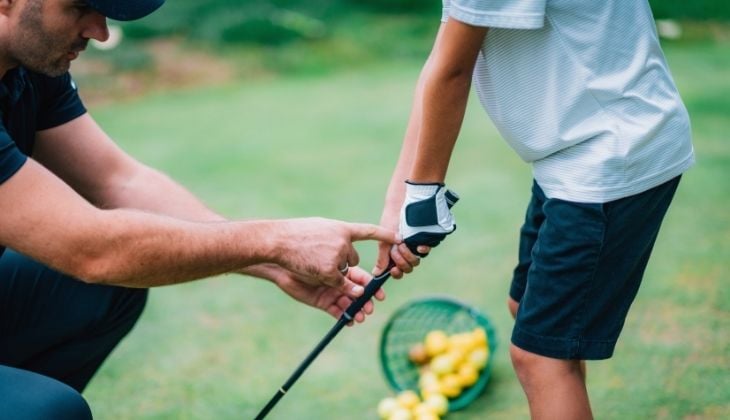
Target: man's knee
(31,396)
(61,404)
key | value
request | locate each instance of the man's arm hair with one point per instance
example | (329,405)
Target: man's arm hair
(46,220)
(86,158)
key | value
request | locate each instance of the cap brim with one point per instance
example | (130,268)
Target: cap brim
(126,9)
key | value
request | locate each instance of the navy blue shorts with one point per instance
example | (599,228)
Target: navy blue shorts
(580,267)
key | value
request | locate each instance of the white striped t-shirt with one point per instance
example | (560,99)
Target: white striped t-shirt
(580,89)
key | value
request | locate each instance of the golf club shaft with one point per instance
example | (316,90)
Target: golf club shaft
(346,317)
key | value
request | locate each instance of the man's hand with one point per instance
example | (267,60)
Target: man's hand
(333,300)
(318,251)
(425,217)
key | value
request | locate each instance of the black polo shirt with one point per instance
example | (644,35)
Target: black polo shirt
(30,102)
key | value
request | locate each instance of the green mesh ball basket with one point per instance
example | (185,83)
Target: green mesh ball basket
(410,324)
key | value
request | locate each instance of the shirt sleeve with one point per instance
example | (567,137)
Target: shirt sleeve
(11,159)
(507,14)
(60,102)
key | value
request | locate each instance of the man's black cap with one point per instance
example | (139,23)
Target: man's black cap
(125,9)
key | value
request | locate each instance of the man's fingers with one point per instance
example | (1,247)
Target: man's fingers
(353,288)
(366,231)
(362,278)
(355,282)
(353,259)
(358,276)
(334,311)
(343,302)
(336,281)
(359,317)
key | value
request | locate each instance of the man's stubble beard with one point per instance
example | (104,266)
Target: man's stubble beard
(34,48)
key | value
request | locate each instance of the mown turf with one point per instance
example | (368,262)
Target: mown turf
(289,147)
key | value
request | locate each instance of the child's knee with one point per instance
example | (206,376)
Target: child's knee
(531,365)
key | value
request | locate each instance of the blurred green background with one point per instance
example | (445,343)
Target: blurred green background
(297,108)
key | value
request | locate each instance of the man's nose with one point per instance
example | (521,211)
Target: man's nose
(95,27)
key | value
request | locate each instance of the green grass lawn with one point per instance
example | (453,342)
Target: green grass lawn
(302,146)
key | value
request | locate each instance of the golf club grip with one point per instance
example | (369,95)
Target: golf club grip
(372,287)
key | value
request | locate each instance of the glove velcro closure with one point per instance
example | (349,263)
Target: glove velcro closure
(451,198)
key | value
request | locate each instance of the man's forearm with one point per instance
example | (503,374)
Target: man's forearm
(46,220)
(151,190)
(138,249)
(144,191)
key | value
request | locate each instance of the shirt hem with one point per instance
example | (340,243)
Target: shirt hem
(587,195)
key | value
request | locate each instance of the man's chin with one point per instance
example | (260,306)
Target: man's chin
(51,70)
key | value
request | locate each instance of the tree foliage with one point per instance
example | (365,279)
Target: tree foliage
(276,22)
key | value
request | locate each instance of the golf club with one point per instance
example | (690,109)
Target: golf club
(349,314)
(346,317)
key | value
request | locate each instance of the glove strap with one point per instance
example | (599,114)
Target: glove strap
(451,198)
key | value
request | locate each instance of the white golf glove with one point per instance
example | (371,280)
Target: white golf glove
(425,218)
